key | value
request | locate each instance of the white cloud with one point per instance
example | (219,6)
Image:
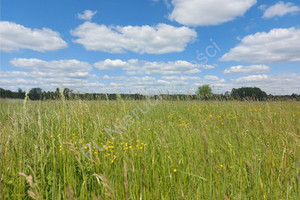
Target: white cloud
(136,82)
(252,69)
(134,66)
(61,68)
(252,78)
(280,9)
(208,66)
(182,78)
(158,39)
(165,84)
(87,15)
(147,79)
(208,12)
(4,74)
(51,74)
(77,75)
(278,45)
(109,64)
(262,7)
(272,84)
(47,78)
(147,83)
(14,37)
(210,78)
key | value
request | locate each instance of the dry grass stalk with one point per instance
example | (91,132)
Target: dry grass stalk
(106,184)
(34,193)
(126,181)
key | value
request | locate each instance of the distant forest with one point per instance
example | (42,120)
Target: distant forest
(244,93)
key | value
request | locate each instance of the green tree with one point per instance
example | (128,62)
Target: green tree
(68,93)
(248,93)
(35,93)
(204,92)
(20,94)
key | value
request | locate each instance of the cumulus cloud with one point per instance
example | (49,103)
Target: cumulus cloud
(60,68)
(252,78)
(148,83)
(136,82)
(39,73)
(273,84)
(182,78)
(208,66)
(109,64)
(50,74)
(4,74)
(86,15)
(188,84)
(252,69)
(278,45)
(280,9)
(14,37)
(208,12)
(211,78)
(135,66)
(262,7)
(158,39)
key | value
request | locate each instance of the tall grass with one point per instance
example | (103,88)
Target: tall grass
(177,150)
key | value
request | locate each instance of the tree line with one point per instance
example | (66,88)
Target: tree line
(203,93)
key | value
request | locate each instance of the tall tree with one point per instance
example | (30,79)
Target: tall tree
(35,93)
(205,92)
(251,93)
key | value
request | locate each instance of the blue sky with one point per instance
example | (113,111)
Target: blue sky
(130,46)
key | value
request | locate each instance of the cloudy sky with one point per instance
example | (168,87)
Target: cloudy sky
(129,46)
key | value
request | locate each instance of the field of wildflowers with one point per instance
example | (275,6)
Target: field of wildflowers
(175,150)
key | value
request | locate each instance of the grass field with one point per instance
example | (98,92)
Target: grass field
(174,150)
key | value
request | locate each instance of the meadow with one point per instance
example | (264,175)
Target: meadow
(175,150)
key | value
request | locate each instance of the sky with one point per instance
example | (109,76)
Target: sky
(137,46)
